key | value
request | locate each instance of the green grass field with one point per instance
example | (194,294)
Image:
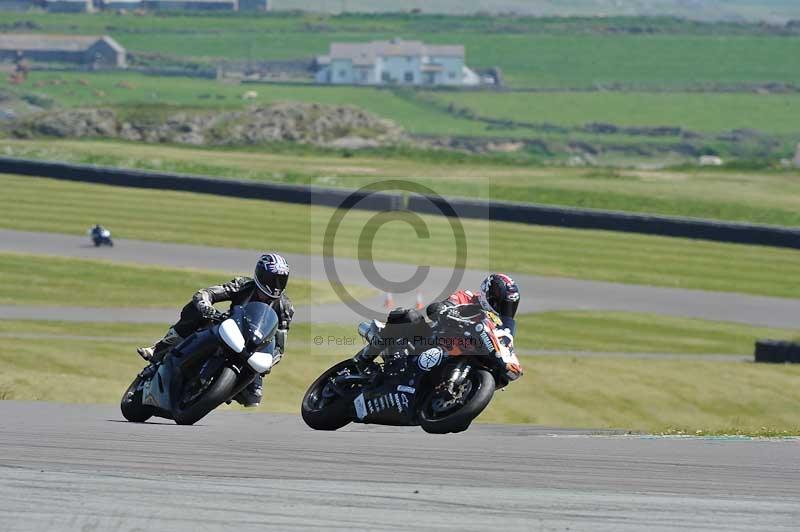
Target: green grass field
(97,363)
(769,197)
(531,52)
(139,93)
(48,205)
(43,280)
(702,112)
(770,132)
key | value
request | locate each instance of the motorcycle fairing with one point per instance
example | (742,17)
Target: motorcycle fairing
(156,390)
(391,403)
(161,389)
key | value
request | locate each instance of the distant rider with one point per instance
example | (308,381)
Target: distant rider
(97,231)
(267,285)
(498,294)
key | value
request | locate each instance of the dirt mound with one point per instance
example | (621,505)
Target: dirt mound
(322,125)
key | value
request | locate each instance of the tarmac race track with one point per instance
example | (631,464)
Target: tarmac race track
(548,293)
(79,467)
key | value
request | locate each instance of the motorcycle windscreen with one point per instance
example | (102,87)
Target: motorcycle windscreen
(261,322)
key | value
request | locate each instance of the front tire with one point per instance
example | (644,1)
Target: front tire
(131,405)
(220,391)
(321,415)
(482,390)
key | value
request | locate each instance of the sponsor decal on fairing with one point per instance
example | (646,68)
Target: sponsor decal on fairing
(361,408)
(487,342)
(429,359)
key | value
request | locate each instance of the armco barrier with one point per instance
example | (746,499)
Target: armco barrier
(777,352)
(739,233)
(207,185)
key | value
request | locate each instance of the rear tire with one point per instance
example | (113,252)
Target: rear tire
(459,421)
(131,405)
(331,416)
(220,391)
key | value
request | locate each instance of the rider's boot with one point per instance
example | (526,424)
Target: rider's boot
(157,351)
(251,396)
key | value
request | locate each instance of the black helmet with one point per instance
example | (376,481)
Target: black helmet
(499,294)
(271,275)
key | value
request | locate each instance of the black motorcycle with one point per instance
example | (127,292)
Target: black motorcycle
(101,237)
(208,368)
(441,384)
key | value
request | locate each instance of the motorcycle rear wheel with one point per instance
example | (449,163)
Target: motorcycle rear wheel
(131,405)
(331,416)
(480,395)
(220,391)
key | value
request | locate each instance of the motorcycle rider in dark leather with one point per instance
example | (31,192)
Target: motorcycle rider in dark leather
(267,285)
(498,294)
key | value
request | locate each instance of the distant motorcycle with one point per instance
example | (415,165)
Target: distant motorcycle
(442,388)
(101,237)
(208,368)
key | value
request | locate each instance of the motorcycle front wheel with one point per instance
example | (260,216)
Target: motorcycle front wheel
(131,405)
(321,408)
(442,414)
(218,391)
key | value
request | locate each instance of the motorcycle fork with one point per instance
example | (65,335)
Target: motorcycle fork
(458,373)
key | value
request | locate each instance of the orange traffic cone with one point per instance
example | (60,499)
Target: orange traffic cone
(420,304)
(388,302)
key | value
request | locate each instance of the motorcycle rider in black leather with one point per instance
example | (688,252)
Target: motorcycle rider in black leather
(498,293)
(267,285)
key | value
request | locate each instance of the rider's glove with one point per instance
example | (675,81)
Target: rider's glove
(286,313)
(218,317)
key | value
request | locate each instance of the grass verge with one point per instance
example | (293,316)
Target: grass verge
(630,332)
(38,280)
(653,395)
(49,205)
(98,361)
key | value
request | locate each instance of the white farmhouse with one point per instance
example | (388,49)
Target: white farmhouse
(394,62)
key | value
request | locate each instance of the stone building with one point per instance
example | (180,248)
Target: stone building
(85,50)
(191,5)
(69,6)
(253,5)
(119,5)
(16,5)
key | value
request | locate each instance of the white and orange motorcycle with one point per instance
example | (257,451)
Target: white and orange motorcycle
(441,382)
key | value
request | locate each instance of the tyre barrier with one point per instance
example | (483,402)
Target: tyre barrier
(656,225)
(533,214)
(777,352)
(304,194)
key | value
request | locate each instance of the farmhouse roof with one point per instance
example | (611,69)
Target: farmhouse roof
(365,53)
(68,43)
